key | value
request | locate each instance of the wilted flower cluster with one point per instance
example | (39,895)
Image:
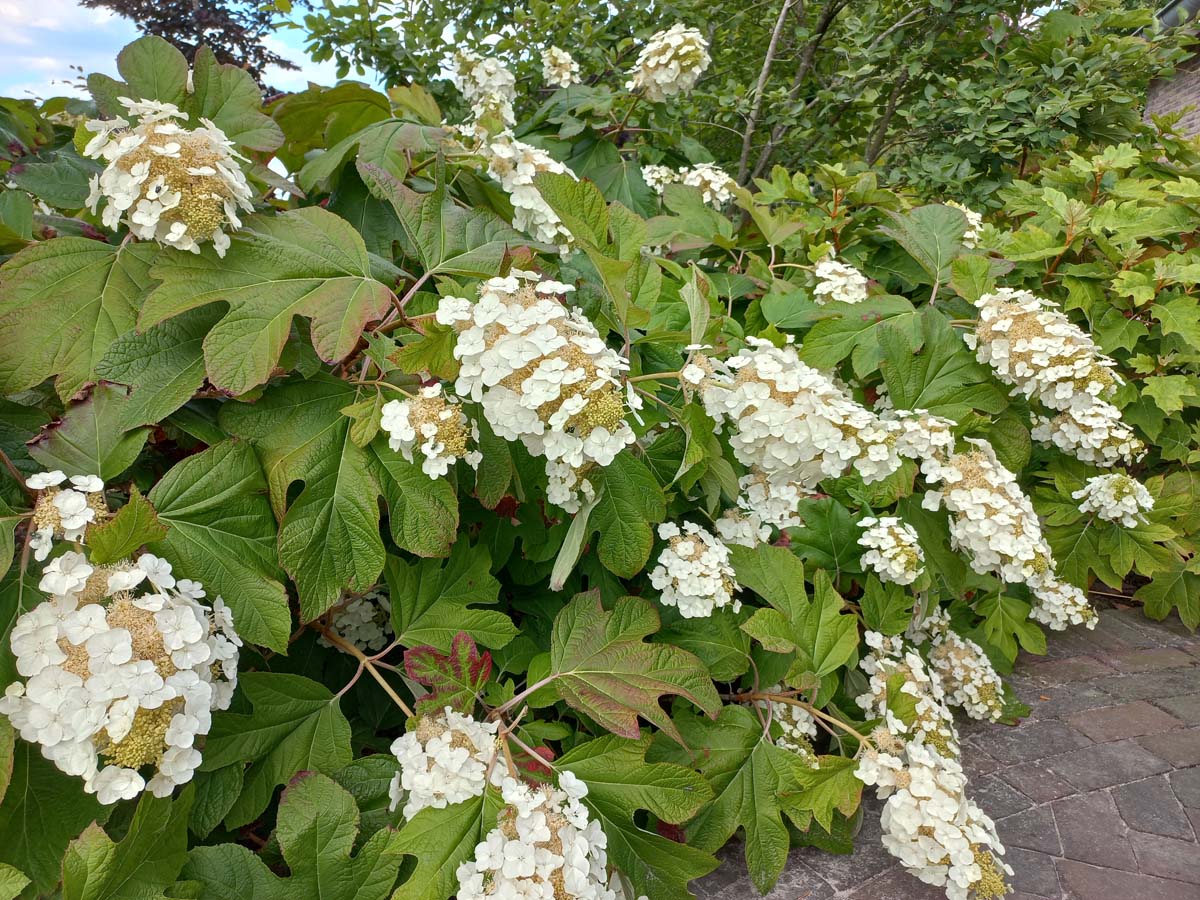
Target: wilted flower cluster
(929,824)
(544,847)
(1032,346)
(996,526)
(792,423)
(514,164)
(123,667)
(559,68)
(366,621)
(893,550)
(715,184)
(541,371)
(64,513)
(839,282)
(487,86)
(967,676)
(693,571)
(1115,498)
(970,238)
(434,424)
(175,185)
(670,63)
(444,759)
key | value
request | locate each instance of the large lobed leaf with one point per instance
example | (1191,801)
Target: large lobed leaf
(318,822)
(604,669)
(303,262)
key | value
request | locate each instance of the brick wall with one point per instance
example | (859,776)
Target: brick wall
(1179,92)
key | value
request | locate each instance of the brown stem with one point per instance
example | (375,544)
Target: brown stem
(17,476)
(813,711)
(365,662)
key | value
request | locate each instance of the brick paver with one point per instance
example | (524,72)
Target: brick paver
(1096,794)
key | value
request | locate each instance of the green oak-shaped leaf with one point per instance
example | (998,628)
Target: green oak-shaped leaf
(932,235)
(329,535)
(65,301)
(442,840)
(620,782)
(221,533)
(141,865)
(89,439)
(432,599)
(855,330)
(629,501)
(317,824)
(305,262)
(136,523)
(1177,587)
(752,782)
(297,725)
(163,367)
(604,669)
(43,810)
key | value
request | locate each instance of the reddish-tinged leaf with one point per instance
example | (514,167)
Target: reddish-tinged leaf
(604,669)
(455,679)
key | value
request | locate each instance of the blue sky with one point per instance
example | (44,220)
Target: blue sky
(42,39)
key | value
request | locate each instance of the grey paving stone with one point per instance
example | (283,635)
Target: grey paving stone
(1091,831)
(1104,765)
(1185,707)
(1037,783)
(1081,881)
(895,884)
(868,860)
(1167,857)
(1114,723)
(998,797)
(1035,740)
(1186,785)
(1150,685)
(1033,873)
(1179,748)
(1033,829)
(1066,699)
(1151,806)
(1150,659)
(1061,671)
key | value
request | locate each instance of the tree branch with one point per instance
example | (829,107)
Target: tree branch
(760,90)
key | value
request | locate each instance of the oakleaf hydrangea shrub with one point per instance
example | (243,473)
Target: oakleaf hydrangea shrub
(444,488)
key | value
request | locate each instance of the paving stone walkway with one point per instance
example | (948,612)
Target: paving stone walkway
(1096,795)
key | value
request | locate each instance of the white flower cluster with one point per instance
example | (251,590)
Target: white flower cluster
(671,63)
(1115,498)
(1032,346)
(559,68)
(838,281)
(741,527)
(544,847)
(795,725)
(774,503)
(444,759)
(970,238)
(995,524)
(715,184)
(366,622)
(175,185)
(693,571)
(63,513)
(1093,434)
(514,164)
(923,436)
(793,423)
(893,549)
(929,824)
(434,424)
(542,373)
(968,678)
(121,677)
(487,86)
